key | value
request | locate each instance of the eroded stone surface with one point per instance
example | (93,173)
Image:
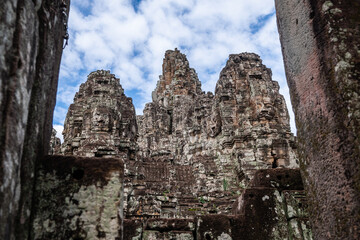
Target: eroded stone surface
(101,121)
(79,198)
(31,44)
(197,149)
(274,207)
(320,43)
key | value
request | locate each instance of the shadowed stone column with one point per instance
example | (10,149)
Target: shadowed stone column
(320,44)
(31,43)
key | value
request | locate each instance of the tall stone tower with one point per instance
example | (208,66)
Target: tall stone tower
(250,116)
(246,123)
(101,121)
(198,145)
(190,144)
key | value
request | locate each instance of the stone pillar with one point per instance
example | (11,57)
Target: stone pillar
(272,207)
(32,34)
(320,45)
(79,198)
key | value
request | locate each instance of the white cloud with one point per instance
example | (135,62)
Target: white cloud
(59,115)
(110,34)
(59,129)
(66,94)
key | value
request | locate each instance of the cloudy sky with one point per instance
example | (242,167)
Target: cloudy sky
(130,37)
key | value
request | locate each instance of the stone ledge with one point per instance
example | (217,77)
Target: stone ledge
(279,178)
(85,171)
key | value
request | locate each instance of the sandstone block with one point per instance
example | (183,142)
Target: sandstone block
(79,198)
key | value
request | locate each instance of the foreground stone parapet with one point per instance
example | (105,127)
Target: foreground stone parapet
(272,207)
(79,198)
(320,45)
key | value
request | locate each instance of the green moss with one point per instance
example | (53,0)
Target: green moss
(225,184)
(193,209)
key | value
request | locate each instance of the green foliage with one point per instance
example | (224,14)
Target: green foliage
(225,184)
(193,209)
(202,200)
(165,195)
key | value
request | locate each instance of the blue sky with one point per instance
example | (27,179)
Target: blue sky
(130,37)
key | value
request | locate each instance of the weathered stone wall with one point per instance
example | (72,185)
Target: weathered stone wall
(31,34)
(195,152)
(78,198)
(272,207)
(321,49)
(156,188)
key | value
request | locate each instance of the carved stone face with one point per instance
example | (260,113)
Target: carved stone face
(100,120)
(214,124)
(264,108)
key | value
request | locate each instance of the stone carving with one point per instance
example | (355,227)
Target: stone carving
(322,70)
(101,121)
(212,144)
(194,151)
(246,109)
(272,207)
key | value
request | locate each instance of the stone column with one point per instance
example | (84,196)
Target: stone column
(31,43)
(320,45)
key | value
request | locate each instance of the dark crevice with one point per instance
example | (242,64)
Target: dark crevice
(169,112)
(274,163)
(78,174)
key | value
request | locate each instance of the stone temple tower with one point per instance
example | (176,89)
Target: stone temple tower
(188,143)
(191,153)
(101,121)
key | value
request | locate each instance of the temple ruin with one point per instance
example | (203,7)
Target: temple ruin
(193,154)
(235,144)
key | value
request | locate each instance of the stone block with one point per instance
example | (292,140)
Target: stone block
(213,227)
(79,198)
(178,235)
(273,207)
(164,224)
